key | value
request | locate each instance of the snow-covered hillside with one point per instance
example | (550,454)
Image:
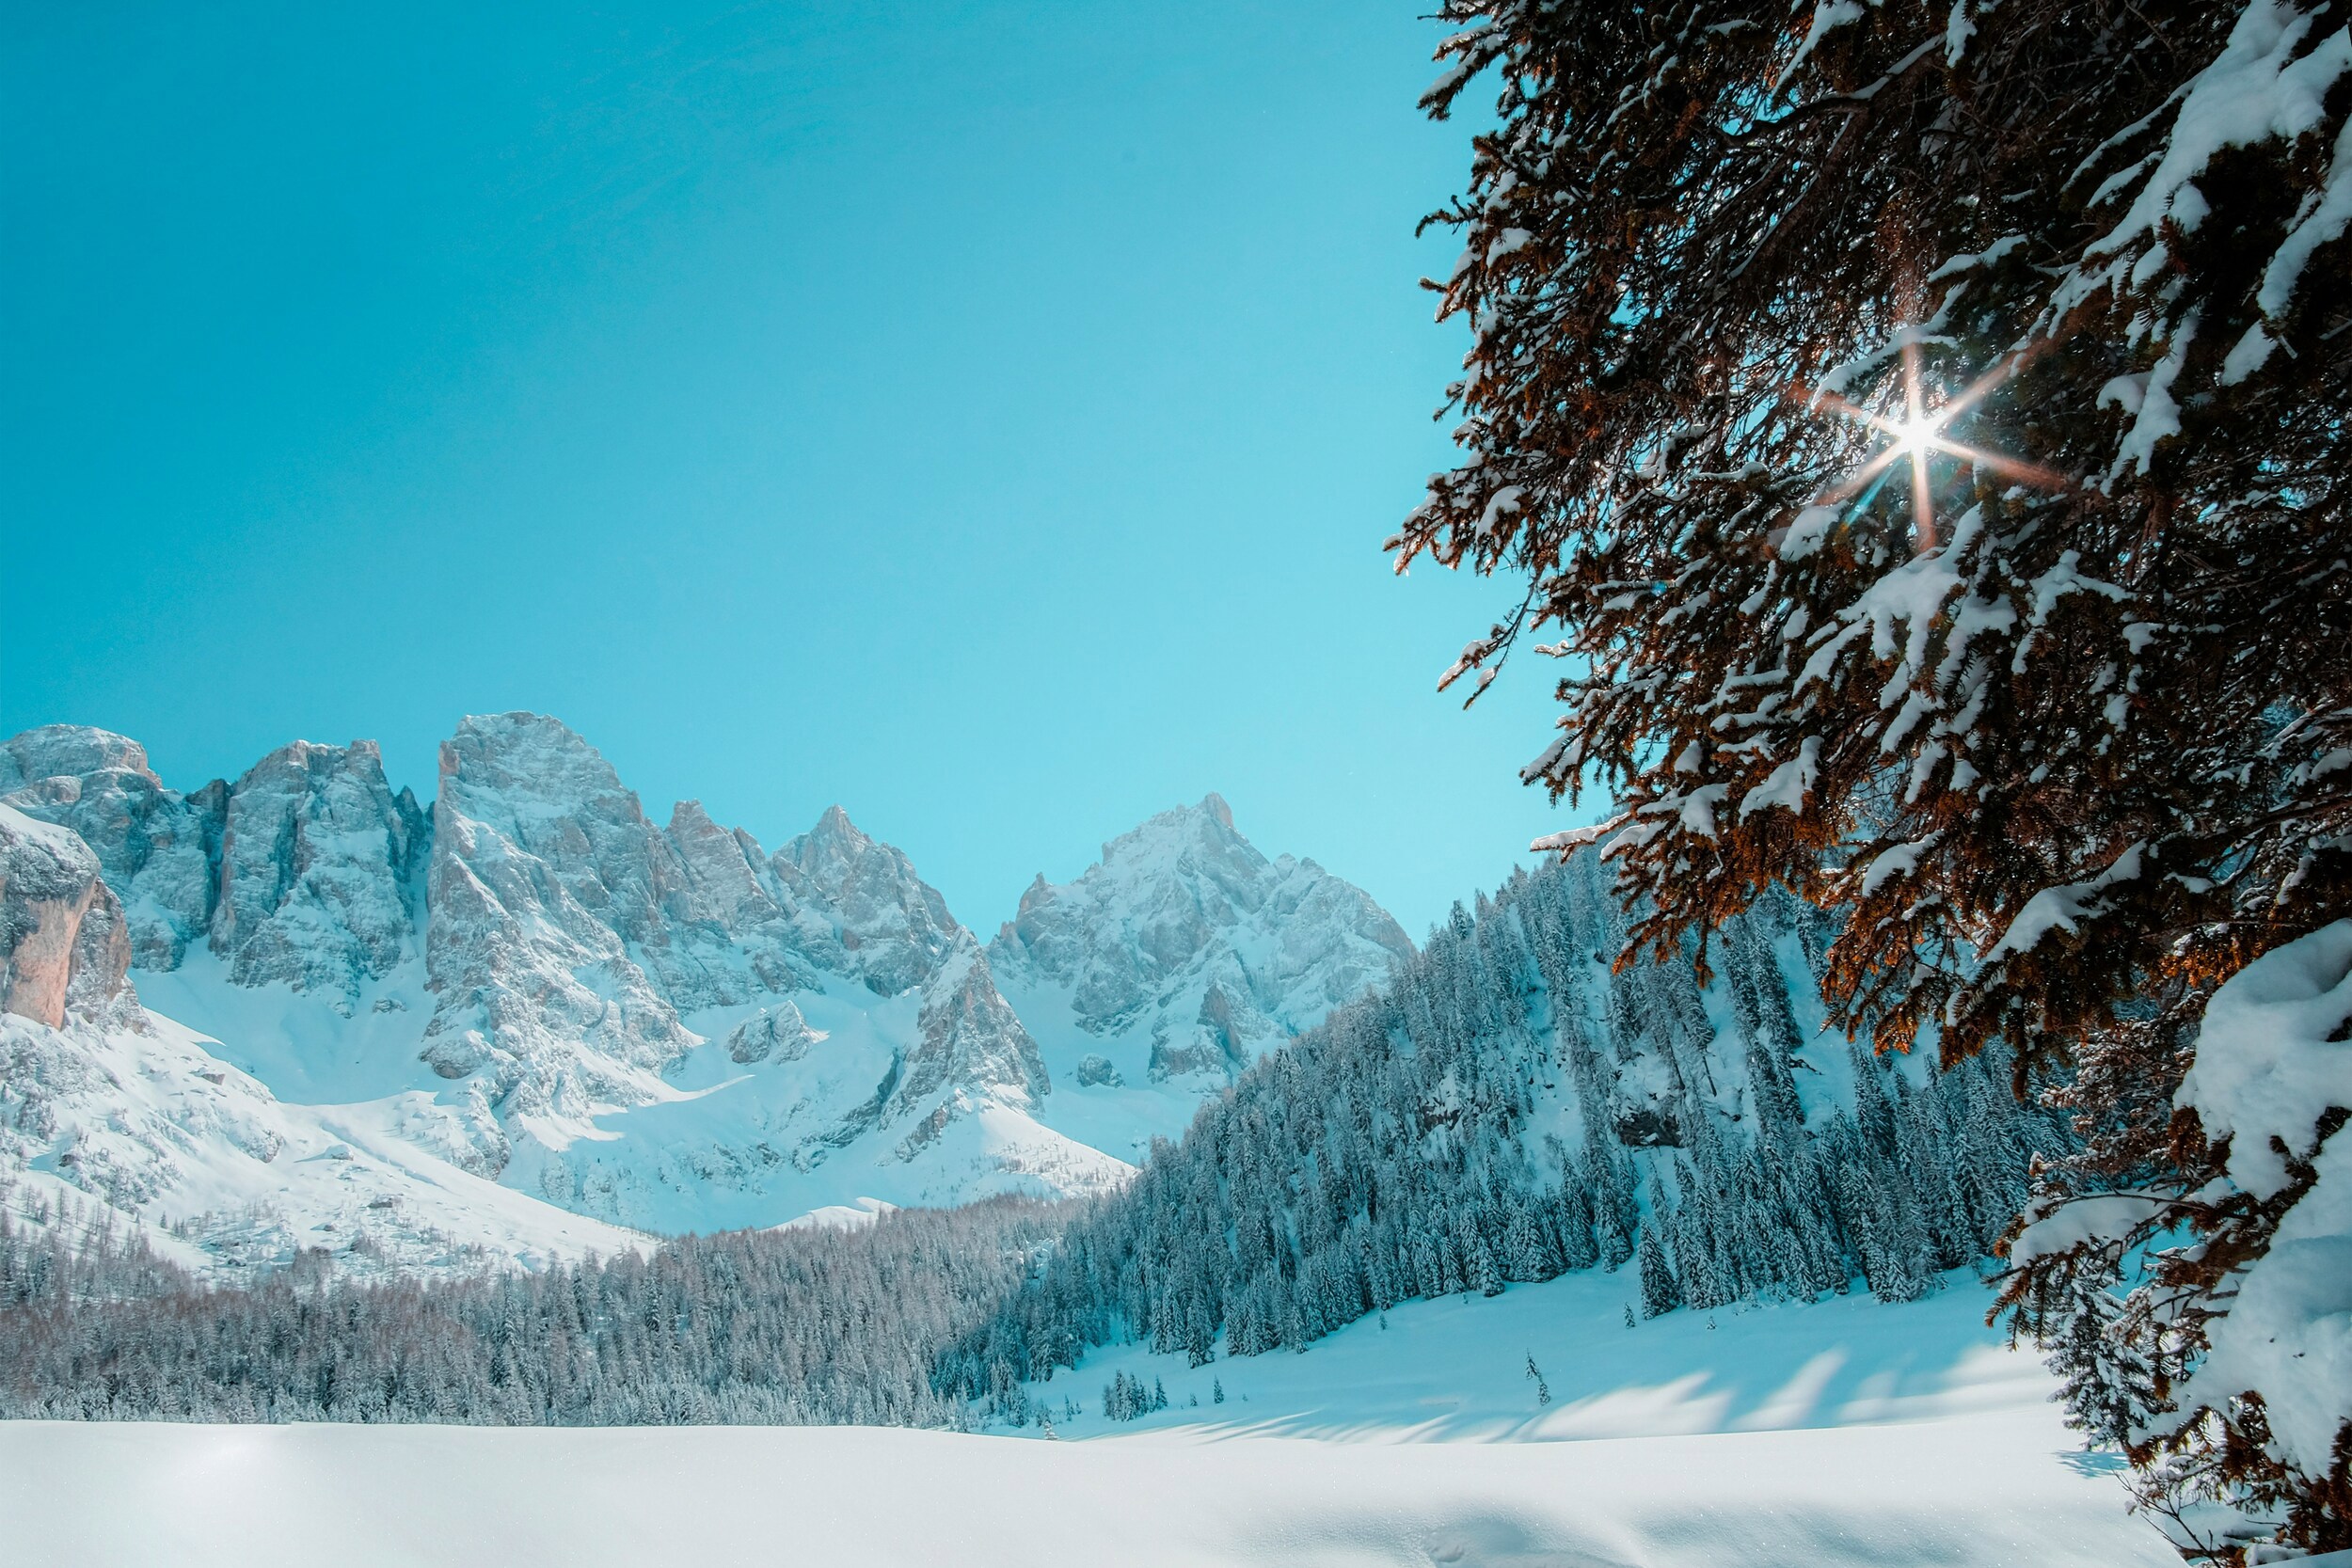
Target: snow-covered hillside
(1512,1107)
(103,1101)
(531,984)
(1456,1369)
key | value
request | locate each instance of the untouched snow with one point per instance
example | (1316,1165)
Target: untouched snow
(1456,1369)
(1972,1492)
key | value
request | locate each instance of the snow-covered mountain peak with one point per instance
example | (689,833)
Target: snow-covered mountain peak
(528,991)
(547,896)
(531,757)
(1203,832)
(661,1023)
(1187,942)
(894,927)
(722,868)
(68,752)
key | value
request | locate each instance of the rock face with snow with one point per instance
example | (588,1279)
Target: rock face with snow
(776,1034)
(155,846)
(318,871)
(63,949)
(305,872)
(546,875)
(1185,937)
(134,1114)
(968,1038)
(570,934)
(892,928)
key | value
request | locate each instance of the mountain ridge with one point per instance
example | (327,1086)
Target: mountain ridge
(660,1025)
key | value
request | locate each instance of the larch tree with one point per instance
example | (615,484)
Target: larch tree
(1920,431)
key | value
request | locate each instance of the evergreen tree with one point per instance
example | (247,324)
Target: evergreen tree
(1661,1292)
(2108,1388)
(1922,428)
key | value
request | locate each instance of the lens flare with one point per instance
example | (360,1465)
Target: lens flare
(1918,434)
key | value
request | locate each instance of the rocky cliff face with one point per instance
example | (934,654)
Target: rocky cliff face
(131,1111)
(305,872)
(63,946)
(968,1039)
(892,930)
(318,871)
(548,887)
(156,847)
(569,934)
(1187,938)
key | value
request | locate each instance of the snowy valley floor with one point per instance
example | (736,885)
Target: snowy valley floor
(1842,1434)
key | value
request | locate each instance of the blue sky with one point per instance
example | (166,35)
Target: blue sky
(985,416)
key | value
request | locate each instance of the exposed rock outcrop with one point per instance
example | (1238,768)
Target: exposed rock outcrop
(969,1040)
(544,872)
(774,1034)
(893,928)
(319,867)
(156,847)
(63,947)
(568,935)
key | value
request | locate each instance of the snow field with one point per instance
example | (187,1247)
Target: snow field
(1455,1370)
(1969,1492)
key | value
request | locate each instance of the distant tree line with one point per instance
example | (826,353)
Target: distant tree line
(809,1325)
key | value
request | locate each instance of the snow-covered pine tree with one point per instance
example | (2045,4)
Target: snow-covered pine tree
(1922,428)
(1660,1293)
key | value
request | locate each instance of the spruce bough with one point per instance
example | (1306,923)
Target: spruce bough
(1919,431)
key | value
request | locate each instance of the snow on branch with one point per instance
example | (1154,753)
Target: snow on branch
(2067,906)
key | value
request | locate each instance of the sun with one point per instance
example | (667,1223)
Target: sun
(1919,432)
(1915,437)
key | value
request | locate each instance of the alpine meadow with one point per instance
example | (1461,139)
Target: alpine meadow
(1869,1091)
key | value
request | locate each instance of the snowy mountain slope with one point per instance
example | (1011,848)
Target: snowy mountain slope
(131,1110)
(831,1097)
(148,1121)
(1177,959)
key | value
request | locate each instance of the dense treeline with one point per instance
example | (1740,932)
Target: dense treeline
(1511,1108)
(807,1325)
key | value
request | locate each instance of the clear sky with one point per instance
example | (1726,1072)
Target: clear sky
(983,415)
